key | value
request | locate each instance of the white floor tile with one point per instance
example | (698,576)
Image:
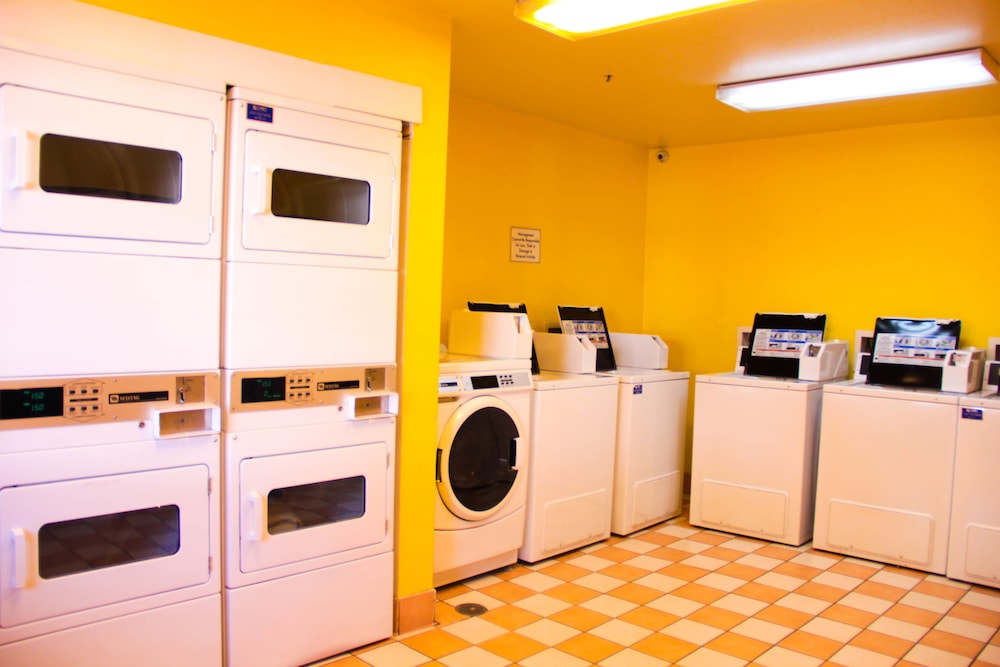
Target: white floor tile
(777,656)
(840,581)
(473,656)
(548,632)
(705,562)
(853,656)
(637,546)
(538,581)
(475,630)
(746,546)
(934,657)
(661,582)
(721,582)
(754,628)
(864,602)
(553,658)
(676,531)
(780,581)
(816,560)
(963,628)
(673,604)
(824,627)
(706,657)
(803,603)
(690,546)
(542,604)
(928,602)
(981,600)
(482,581)
(899,629)
(620,632)
(740,604)
(692,631)
(765,563)
(592,563)
(991,655)
(648,563)
(632,658)
(609,605)
(393,655)
(895,579)
(596,581)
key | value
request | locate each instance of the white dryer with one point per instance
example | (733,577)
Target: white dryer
(572,459)
(974,545)
(484,411)
(312,224)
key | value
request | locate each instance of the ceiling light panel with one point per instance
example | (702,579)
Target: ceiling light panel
(961,69)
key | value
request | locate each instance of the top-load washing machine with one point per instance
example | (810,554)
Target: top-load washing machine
(651,422)
(484,416)
(110,216)
(312,224)
(887,451)
(756,431)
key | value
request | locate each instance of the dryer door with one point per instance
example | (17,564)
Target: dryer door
(477,458)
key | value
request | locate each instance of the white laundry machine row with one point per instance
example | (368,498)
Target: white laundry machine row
(309,476)
(571,461)
(885,475)
(483,454)
(312,225)
(974,541)
(110,521)
(110,216)
(754,451)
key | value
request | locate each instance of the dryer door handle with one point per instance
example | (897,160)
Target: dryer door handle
(19,544)
(257,521)
(513,453)
(22,155)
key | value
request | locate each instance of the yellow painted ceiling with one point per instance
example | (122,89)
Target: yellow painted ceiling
(655,85)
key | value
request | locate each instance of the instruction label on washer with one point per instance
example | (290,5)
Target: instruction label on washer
(637,389)
(972,413)
(593,330)
(892,348)
(783,342)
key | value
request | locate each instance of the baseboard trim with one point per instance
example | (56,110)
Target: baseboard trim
(415,612)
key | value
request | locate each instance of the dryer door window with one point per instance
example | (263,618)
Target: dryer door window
(297,194)
(477,467)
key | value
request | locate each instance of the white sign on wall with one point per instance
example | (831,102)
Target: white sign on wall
(525,245)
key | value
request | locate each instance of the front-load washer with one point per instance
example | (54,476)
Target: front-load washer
(312,226)
(974,544)
(572,459)
(110,216)
(649,447)
(885,473)
(484,413)
(308,512)
(110,517)
(753,461)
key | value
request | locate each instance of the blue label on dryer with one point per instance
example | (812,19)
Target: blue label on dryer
(637,389)
(972,413)
(260,112)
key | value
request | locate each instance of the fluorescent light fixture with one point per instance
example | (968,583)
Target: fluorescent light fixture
(574,19)
(961,69)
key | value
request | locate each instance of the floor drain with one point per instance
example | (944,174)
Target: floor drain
(470,609)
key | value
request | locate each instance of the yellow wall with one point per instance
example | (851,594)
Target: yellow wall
(584,192)
(396,40)
(896,220)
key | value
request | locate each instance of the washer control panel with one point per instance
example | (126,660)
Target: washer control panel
(47,402)
(490,381)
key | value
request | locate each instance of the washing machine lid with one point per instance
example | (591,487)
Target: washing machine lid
(859,388)
(549,380)
(477,458)
(741,380)
(637,375)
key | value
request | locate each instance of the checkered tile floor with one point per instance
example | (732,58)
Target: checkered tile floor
(679,595)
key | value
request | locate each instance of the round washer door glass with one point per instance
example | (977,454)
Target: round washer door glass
(478,465)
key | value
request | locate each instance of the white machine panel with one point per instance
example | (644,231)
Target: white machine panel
(974,545)
(754,455)
(884,482)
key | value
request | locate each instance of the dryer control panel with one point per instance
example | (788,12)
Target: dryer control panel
(483,381)
(360,390)
(175,404)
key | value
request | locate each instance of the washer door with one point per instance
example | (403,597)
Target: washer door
(477,458)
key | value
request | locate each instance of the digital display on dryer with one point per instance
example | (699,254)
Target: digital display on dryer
(263,390)
(33,402)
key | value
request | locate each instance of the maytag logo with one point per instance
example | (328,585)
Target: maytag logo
(138,397)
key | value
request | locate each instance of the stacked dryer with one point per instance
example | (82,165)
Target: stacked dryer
(309,351)
(110,212)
